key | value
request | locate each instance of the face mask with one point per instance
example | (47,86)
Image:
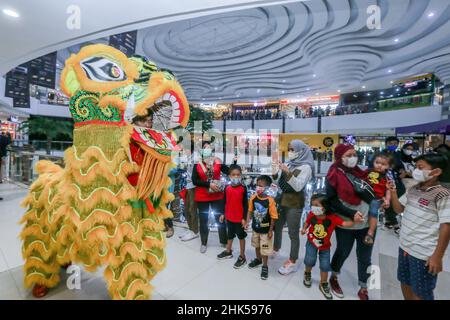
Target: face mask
(408,152)
(421,175)
(261,191)
(292,155)
(392,148)
(206,153)
(235,181)
(350,162)
(317,210)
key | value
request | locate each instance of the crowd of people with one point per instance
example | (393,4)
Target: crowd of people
(261,113)
(396,182)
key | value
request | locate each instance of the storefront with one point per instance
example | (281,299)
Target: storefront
(11,119)
(310,106)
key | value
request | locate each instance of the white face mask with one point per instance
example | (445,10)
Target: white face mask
(421,175)
(317,210)
(350,162)
(292,155)
(408,152)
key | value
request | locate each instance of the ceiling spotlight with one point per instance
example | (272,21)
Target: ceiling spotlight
(282,91)
(284,80)
(392,82)
(314,75)
(215,88)
(307,89)
(368,94)
(389,71)
(363,87)
(355,96)
(396,40)
(382,92)
(11,13)
(339,90)
(258,90)
(431,14)
(398,89)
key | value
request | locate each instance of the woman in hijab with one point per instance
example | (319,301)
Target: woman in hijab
(292,178)
(346,203)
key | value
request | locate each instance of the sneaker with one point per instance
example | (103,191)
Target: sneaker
(184,234)
(254,263)
(287,268)
(225,255)
(363,294)
(325,289)
(307,279)
(264,273)
(240,262)
(397,230)
(202,249)
(189,236)
(336,288)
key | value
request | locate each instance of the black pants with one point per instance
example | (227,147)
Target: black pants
(345,239)
(203,209)
(168,222)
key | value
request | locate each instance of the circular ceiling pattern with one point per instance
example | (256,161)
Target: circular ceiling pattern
(303,48)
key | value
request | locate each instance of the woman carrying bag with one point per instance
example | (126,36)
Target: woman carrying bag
(345,188)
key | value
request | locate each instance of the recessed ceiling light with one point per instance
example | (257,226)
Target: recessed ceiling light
(398,89)
(339,90)
(431,14)
(215,88)
(392,82)
(389,71)
(368,94)
(382,92)
(396,40)
(314,75)
(317,93)
(307,89)
(282,91)
(11,13)
(284,80)
(258,90)
(363,87)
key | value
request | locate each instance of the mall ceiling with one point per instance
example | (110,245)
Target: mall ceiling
(303,49)
(250,50)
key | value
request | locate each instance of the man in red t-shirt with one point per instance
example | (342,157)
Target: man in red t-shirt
(236,207)
(319,227)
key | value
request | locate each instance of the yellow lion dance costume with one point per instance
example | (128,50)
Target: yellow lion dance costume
(88,212)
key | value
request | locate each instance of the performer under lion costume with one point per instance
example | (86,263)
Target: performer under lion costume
(88,212)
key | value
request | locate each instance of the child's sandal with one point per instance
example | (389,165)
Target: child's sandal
(368,240)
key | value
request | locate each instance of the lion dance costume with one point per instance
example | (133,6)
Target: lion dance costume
(90,212)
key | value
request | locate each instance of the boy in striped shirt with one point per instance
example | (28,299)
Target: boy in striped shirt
(425,231)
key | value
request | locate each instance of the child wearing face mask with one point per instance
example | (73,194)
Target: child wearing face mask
(425,231)
(263,213)
(236,207)
(377,178)
(319,227)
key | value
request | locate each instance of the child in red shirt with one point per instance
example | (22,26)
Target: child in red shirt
(236,207)
(378,180)
(319,227)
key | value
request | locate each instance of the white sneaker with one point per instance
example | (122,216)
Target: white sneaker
(287,268)
(184,234)
(203,249)
(189,236)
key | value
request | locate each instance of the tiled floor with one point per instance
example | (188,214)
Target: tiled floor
(192,275)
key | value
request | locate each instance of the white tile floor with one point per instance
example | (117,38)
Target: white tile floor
(192,275)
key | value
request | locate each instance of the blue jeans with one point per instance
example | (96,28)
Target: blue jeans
(311,257)
(374,206)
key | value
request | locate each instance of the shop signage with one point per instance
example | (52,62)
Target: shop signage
(17,86)
(42,71)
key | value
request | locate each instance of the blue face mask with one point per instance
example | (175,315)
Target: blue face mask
(392,148)
(235,181)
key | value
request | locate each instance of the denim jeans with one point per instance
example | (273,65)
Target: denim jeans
(374,207)
(345,239)
(311,257)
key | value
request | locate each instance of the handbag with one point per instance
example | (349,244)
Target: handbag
(362,188)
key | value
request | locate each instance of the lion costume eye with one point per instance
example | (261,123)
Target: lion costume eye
(102,70)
